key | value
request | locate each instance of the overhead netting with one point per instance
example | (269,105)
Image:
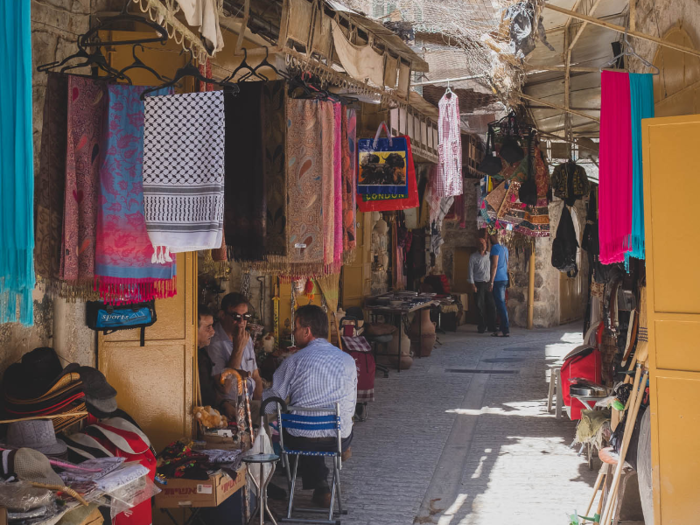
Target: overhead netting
(457,37)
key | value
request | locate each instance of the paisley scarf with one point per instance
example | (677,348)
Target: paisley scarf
(123,267)
(328,172)
(349,152)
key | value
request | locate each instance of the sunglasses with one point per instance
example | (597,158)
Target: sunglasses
(238,317)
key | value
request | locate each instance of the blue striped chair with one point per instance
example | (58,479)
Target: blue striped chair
(300,418)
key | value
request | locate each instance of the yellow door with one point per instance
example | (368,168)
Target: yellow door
(356,276)
(156,383)
(670,198)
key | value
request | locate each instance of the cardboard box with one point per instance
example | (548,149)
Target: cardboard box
(198,493)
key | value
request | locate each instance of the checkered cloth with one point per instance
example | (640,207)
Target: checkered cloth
(356,344)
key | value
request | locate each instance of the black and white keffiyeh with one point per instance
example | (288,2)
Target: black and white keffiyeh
(183,172)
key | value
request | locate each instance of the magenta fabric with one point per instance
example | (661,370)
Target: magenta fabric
(615,185)
(338,184)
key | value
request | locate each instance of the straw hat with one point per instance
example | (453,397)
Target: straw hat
(32,465)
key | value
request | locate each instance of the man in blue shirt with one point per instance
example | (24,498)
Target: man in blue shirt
(499,281)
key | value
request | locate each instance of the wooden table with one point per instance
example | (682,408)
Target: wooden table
(398,313)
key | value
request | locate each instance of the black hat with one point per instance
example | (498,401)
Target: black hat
(95,384)
(38,371)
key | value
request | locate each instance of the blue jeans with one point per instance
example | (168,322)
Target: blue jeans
(499,297)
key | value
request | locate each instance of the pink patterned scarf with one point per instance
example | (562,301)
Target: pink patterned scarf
(338,188)
(615,186)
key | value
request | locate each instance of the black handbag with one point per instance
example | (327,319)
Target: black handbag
(528,191)
(511,151)
(491,163)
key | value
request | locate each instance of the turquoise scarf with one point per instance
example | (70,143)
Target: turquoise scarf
(642,102)
(16,168)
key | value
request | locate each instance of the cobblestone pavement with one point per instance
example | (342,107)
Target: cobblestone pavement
(447,448)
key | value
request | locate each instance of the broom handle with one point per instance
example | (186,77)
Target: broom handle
(602,497)
(595,489)
(629,430)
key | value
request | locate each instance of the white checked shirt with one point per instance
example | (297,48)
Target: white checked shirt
(318,375)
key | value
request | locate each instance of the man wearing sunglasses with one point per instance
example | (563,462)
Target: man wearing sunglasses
(232,347)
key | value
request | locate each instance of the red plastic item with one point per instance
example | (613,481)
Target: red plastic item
(587,365)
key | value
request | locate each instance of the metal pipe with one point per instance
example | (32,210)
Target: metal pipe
(446,80)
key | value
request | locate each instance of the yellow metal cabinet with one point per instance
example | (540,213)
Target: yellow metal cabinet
(671,189)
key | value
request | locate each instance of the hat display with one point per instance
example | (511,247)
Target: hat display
(31,465)
(36,434)
(95,384)
(101,408)
(35,375)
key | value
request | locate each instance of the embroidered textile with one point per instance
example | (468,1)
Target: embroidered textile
(183,171)
(17,168)
(327,143)
(449,148)
(615,183)
(304,186)
(349,145)
(642,99)
(87,106)
(123,267)
(570,182)
(51,179)
(244,187)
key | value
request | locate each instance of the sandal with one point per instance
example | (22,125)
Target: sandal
(506,335)
(495,334)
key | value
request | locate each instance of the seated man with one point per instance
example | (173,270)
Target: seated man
(232,347)
(205,331)
(318,375)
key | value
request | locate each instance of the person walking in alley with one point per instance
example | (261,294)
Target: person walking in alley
(317,376)
(480,279)
(499,282)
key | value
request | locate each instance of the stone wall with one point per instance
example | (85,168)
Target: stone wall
(457,237)
(55,26)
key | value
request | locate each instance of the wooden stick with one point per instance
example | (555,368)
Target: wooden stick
(579,32)
(59,488)
(600,503)
(629,430)
(620,29)
(557,106)
(601,474)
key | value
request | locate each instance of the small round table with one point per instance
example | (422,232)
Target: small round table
(262,460)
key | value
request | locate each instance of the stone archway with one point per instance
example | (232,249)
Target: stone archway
(677,88)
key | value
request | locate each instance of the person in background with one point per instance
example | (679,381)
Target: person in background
(205,331)
(480,279)
(499,282)
(232,347)
(318,375)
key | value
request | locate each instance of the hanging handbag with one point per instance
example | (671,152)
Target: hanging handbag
(386,174)
(108,318)
(511,150)
(491,163)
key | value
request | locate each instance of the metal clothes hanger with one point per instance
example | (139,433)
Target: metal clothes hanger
(630,52)
(138,64)
(123,16)
(448,91)
(190,70)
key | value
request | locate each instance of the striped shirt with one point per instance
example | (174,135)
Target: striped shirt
(318,375)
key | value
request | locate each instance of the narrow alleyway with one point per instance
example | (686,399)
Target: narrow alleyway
(445,446)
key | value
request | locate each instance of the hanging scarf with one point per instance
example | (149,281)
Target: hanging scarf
(51,180)
(183,172)
(17,167)
(244,187)
(87,105)
(328,157)
(615,184)
(349,145)
(449,148)
(642,99)
(123,267)
(304,186)
(337,188)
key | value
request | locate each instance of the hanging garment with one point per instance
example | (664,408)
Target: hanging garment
(183,171)
(51,180)
(17,168)
(565,245)
(244,186)
(338,186)
(87,108)
(124,272)
(615,183)
(205,15)
(349,150)
(570,182)
(328,158)
(449,182)
(304,186)
(642,100)
(360,62)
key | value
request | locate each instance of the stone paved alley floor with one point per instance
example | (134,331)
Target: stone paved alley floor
(447,447)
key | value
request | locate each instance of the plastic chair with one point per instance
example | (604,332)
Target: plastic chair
(296,419)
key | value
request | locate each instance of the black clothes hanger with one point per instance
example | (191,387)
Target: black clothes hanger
(244,65)
(89,59)
(190,70)
(138,64)
(264,63)
(116,22)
